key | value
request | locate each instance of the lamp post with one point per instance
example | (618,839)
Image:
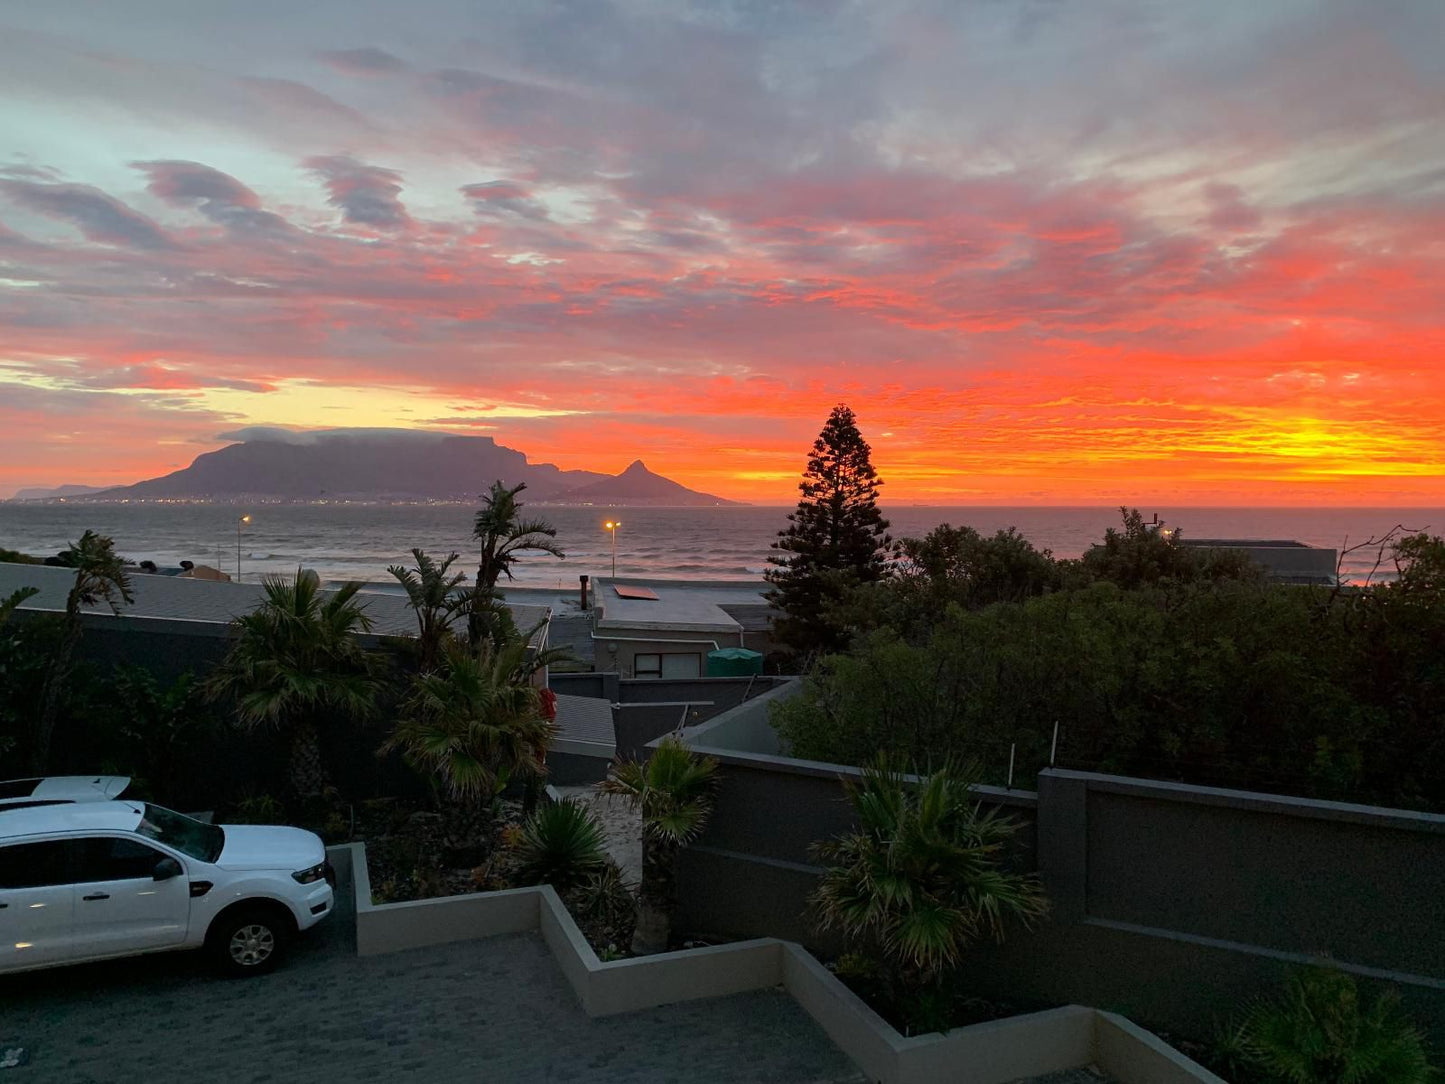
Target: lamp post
(239,523)
(612,525)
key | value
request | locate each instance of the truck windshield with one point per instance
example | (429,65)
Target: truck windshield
(185,834)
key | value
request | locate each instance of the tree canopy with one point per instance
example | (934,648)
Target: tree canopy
(835,539)
(1154,661)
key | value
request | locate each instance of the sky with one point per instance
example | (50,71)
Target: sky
(1050,251)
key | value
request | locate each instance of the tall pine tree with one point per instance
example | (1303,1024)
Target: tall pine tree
(837,538)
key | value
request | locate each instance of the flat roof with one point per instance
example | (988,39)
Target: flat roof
(673,610)
(1250,543)
(214,603)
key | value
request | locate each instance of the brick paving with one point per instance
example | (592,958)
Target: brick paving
(494,1010)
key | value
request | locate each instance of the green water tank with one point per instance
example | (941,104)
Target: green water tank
(734,662)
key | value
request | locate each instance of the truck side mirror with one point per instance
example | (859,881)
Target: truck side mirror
(167,868)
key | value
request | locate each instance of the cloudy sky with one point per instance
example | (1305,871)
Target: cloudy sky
(1051,251)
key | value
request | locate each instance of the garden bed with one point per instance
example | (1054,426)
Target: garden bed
(950,1006)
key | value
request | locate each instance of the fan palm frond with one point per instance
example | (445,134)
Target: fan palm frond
(923,875)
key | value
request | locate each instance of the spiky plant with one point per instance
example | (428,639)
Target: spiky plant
(296,658)
(923,875)
(1319,1030)
(100,576)
(673,790)
(475,722)
(562,845)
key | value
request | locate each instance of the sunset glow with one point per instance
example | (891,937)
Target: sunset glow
(1061,254)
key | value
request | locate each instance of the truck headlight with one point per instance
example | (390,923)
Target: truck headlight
(310,876)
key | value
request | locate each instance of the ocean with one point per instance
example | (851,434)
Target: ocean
(359,541)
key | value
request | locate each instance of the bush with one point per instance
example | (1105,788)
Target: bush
(922,878)
(1318,1031)
(561,845)
(1235,683)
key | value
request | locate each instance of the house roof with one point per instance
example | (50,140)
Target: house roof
(675,609)
(211,605)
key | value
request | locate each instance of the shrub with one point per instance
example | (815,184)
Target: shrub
(1319,1031)
(258,809)
(921,879)
(561,845)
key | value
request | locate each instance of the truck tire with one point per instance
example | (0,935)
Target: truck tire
(249,939)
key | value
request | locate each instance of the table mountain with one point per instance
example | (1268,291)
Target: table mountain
(390,465)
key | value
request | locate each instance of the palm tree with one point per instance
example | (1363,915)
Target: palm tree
(475,722)
(922,877)
(297,657)
(673,790)
(432,593)
(1319,1028)
(100,576)
(13,601)
(503,534)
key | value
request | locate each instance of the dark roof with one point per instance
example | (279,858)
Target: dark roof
(213,603)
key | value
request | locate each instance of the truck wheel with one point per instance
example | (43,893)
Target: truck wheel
(248,940)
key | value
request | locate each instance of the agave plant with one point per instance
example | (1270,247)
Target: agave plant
(673,790)
(1319,1031)
(923,875)
(562,845)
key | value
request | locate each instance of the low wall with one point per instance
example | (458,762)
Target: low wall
(711,695)
(992,1053)
(602,685)
(635,725)
(1149,882)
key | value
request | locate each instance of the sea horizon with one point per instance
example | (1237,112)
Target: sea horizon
(346,540)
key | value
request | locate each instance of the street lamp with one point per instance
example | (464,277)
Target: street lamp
(239,523)
(612,525)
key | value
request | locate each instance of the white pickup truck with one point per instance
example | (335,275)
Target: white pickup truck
(89,879)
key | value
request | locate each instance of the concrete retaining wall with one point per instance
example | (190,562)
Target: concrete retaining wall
(991,1053)
(1149,882)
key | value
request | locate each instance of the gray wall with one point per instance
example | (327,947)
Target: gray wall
(601,686)
(1171,904)
(710,696)
(650,708)
(618,648)
(634,725)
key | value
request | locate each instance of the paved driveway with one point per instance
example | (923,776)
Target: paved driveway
(495,1010)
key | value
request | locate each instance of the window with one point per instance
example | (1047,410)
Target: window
(35,865)
(111,858)
(682,665)
(185,834)
(670,665)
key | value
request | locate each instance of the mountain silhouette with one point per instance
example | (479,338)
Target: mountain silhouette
(638,485)
(391,465)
